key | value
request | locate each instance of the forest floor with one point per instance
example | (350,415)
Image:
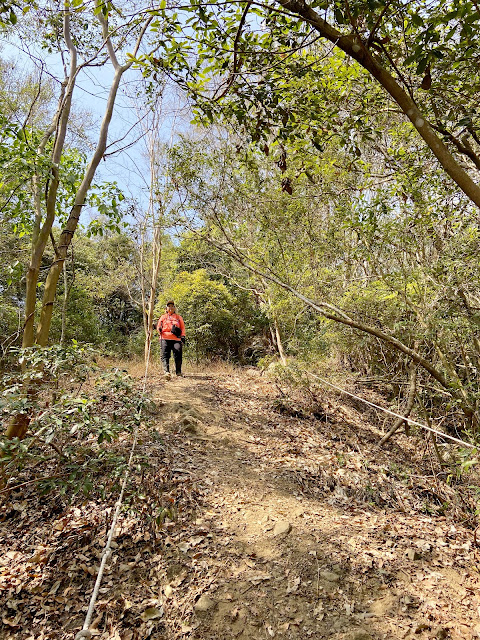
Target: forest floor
(284,522)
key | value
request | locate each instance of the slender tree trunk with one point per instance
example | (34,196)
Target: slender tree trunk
(43,221)
(30,303)
(157,258)
(273,337)
(155,204)
(281,351)
(155,214)
(274,328)
(412,392)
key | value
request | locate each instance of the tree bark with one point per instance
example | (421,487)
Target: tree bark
(154,204)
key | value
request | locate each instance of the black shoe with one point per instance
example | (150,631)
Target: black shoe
(179,375)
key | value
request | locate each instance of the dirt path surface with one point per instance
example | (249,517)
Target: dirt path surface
(261,519)
(287,542)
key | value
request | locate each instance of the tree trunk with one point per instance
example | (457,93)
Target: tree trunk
(154,217)
(19,424)
(148,312)
(278,340)
(41,231)
(30,303)
(412,392)
(274,328)
(72,222)
(151,302)
(44,324)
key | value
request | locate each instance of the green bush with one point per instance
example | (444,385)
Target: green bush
(83,321)
(217,323)
(78,425)
(377,305)
(8,321)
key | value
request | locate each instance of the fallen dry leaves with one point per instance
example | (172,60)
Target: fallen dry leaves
(368,552)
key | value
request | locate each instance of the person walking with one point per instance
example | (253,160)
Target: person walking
(171,330)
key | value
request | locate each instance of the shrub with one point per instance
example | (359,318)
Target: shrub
(215,324)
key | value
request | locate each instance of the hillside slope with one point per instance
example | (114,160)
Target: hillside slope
(272,525)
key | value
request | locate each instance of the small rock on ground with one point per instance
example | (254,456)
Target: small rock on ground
(282,527)
(203,604)
(412,554)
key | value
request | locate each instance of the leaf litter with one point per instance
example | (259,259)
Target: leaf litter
(369,551)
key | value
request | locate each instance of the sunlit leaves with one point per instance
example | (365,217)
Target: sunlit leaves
(106,198)
(266,74)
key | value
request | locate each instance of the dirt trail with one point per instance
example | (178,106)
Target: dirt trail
(248,516)
(286,543)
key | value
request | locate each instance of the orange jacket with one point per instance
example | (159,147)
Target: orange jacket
(164,326)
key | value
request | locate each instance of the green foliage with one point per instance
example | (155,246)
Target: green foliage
(101,277)
(387,243)
(106,199)
(460,464)
(316,181)
(18,160)
(215,326)
(291,84)
(8,15)
(206,307)
(77,425)
(84,323)
(375,303)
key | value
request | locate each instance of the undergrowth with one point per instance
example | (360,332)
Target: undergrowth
(78,416)
(446,479)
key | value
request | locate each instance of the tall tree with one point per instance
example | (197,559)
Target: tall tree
(249,57)
(104,47)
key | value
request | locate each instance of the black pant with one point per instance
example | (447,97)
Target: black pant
(167,347)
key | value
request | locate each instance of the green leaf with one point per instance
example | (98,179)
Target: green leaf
(417,20)
(422,65)
(339,17)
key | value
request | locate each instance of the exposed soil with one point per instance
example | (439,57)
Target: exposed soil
(284,522)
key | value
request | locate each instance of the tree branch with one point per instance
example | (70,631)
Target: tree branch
(355,48)
(231,78)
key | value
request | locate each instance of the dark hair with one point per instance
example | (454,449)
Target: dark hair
(170,302)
